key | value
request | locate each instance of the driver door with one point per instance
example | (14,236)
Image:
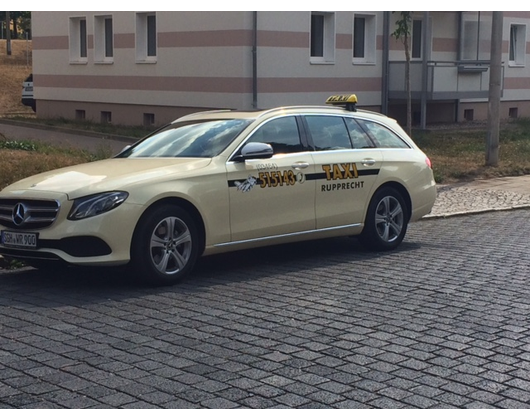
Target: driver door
(269,197)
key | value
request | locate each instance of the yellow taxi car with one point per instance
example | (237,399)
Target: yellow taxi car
(219,181)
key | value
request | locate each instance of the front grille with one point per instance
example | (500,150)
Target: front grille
(27,214)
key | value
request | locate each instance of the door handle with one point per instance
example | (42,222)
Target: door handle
(300,165)
(368,162)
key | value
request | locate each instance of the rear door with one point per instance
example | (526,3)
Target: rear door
(346,168)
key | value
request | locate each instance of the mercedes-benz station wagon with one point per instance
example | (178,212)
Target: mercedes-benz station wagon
(220,181)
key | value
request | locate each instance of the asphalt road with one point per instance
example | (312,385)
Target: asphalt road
(441,322)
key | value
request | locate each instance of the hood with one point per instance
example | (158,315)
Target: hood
(108,175)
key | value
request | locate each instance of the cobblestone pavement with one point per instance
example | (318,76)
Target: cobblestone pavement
(482,195)
(441,322)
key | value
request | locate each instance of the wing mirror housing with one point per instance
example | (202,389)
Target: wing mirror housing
(255,151)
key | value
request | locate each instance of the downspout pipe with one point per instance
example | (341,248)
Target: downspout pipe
(385,75)
(424,68)
(255,60)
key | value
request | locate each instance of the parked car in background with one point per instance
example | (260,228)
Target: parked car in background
(217,181)
(27,93)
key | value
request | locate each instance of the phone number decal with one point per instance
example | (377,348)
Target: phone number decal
(269,179)
(276,179)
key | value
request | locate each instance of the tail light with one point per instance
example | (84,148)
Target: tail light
(428,162)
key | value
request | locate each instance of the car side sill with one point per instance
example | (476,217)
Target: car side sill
(287,235)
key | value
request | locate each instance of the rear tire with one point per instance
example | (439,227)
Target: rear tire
(165,246)
(386,221)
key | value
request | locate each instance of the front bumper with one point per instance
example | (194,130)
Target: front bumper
(104,239)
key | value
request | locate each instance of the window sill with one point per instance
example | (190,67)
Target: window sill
(146,60)
(318,61)
(104,62)
(363,63)
(79,62)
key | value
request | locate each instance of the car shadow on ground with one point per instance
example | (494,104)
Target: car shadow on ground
(86,284)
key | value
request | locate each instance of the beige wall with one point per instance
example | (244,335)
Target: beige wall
(204,60)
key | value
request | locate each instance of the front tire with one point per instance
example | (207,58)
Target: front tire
(165,246)
(386,221)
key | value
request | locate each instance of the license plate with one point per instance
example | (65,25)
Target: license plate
(19,239)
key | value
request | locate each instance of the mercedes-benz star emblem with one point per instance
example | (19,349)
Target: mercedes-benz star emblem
(20,214)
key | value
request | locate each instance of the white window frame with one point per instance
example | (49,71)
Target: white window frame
(142,34)
(78,47)
(370,26)
(517,45)
(101,55)
(328,39)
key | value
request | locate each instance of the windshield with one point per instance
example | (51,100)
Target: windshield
(188,139)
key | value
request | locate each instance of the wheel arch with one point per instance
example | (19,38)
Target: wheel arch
(185,205)
(400,188)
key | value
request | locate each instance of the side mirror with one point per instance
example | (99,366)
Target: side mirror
(255,151)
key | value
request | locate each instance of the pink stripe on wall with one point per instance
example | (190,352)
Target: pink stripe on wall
(176,84)
(210,84)
(313,84)
(124,40)
(229,38)
(344,42)
(283,39)
(516,83)
(50,42)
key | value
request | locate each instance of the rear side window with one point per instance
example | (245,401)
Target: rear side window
(382,136)
(328,133)
(281,133)
(359,138)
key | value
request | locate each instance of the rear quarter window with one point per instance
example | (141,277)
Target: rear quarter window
(383,137)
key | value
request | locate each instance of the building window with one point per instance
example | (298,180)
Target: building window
(322,37)
(80,114)
(106,117)
(149,119)
(417,37)
(476,36)
(517,45)
(468,114)
(146,42)
(78,40)
(364,39)
(103,39)
(513,112)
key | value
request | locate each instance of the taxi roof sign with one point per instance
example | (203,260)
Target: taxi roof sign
(347,101)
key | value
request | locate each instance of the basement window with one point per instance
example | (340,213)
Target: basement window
(80,114)
(106,117)
(468,114)
(149,120)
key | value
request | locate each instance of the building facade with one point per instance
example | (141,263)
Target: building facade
(148,68)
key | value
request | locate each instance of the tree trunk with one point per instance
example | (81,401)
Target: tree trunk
(492,139)
(8,34)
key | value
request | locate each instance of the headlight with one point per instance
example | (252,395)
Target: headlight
(93,205)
